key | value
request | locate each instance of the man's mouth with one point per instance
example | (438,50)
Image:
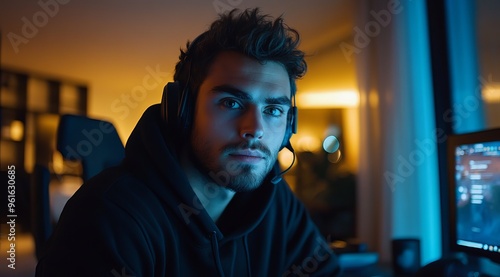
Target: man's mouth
(247,155)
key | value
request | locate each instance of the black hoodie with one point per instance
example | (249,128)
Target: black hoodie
(142,218)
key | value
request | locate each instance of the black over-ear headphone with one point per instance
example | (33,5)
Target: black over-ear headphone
(177,104)
(177,101)
(291,126)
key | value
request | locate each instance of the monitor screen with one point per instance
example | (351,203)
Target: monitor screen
(474,175)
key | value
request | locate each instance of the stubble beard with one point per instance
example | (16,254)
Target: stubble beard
(232,175)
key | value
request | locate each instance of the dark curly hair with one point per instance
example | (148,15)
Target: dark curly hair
(250,33)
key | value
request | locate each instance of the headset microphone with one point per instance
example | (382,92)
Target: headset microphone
(276,179)
(290,130)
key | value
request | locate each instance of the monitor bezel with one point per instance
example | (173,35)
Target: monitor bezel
(490,135)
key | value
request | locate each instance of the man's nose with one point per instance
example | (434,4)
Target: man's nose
(252,124)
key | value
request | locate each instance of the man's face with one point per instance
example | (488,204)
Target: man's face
(240,120)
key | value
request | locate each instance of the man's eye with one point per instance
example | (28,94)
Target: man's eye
(274,111)
(230,104)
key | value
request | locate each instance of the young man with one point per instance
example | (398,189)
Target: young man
(199,192)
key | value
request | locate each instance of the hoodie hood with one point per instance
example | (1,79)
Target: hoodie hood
(150,154)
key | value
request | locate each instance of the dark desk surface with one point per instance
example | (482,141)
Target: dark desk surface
(370,271)
(385,270)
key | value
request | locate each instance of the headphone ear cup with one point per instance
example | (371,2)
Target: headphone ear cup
(291,126)
(170,104)
(184,111)
(175,108)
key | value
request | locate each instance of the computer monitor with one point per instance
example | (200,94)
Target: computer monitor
(474,193)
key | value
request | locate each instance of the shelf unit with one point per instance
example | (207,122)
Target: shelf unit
(30,108)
